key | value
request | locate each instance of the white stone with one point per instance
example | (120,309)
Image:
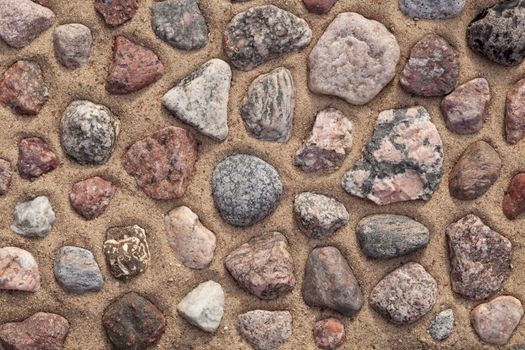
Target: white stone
(203,307)
(33,218)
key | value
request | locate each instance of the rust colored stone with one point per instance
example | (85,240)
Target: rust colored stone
(91,197)
(35,158)
(514,200)
(116,12)
(329,334)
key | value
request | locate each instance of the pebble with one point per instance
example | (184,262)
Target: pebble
(480,258)
(465,109)
(514,199)
(192,243)
(190,99)
(268,108)
(116,12)
(350,44)
(387,236)
(246,189)
(319,7)
(90,197)
(329,143)
(35,158)
(262,33)
(326,275)
(72,44)
(203,307)
(41,331)
(497,32)
(329,333)
(319,216)
(33,218)
(515,113)
(21,21)
(77,271)
(432,68)
(263,266)
(5,176)
(442,325)
(475,171)
(163,163)
(495,321)
(18,270)
(265,330)
(22,88)
(402,162)
(88,132)
(431,9)
(405,294)
(180,23)
(133,322)
(127,251)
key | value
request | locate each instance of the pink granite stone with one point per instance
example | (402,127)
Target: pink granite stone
(91,197)
(18,270)
(35,158)
(515,113)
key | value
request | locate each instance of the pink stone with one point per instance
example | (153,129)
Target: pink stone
(515,113)
(18,270)
(329,334)
(91,197)
(35,158)
(319,6)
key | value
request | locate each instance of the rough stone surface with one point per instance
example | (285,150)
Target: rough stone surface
(201,99)
(319,7)
(262,33)
(116,12)
(35,158)
(126,250)
(329,333)
(180,23)
(387,236)
(319,216)
(475,171)
(246,189)
(203,307)
(88,132)
(329,282)
(265,330)
(268,108)
(263,266)
(72,44)
(90,197)
(432,68)
(480,258)
(431,9)
(18,270)
(77,271)
(5,176)
(402,162)
(442,325)
(515,113)
(514,199)
(350,44)
(163,163)
(33,218)
(405,295)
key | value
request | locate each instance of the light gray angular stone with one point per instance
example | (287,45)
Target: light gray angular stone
(431,9)
(265,330)
(442,325)
(77,271)
(33,218)
(203,307)
(72,44)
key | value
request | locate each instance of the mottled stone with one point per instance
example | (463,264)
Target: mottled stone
(91,197)
(77,271)
(72,44)
(265,330)
(246,189)
(268,108)
(431,9)
(319,7)
(33,218)
(480,258)
(5,176)
(262,33)
(263,266)
(163,163)
(329,333)
(18,270)
(515,113)
(35,158)
(329,282)
(190,100)
(126,250)
(405,294)
(403,161)
(116,12)
(514,199)
(432,68)
(442,325)
(203,307)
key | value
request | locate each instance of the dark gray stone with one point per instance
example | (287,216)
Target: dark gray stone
(77,271)
(431,9)
(442,325)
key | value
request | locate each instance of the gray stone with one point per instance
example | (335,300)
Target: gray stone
(5,176)
(127,251)
(33,218)
(18,270)
(431,9)
(77,271)
(442,325)
(265,330)
(203,307)
(72,44)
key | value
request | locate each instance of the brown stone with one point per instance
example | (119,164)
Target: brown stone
(18,270)
(319,6)
(515,113)
(35,158)
(91,197)
(116,12)
(5,176)
(329,334)
(514,200)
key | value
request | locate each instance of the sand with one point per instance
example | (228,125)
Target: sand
(167,281)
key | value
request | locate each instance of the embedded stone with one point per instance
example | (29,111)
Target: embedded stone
(34,218)
(77,271)
(515,113)
(442,325)
(431,9)
(265,330)
(5,176)
(116,12)
(329,333)
(126,250)
(72,44)
(203,307)
(514,199)
(18,270)
(90,197)
(319,7)
(35,158)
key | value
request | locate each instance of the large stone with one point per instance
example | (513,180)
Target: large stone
(431,9)
(5,176)
(72,44)
(18,270)
(350,44)
(319,7)
(442,325)
(262,33)
(127,251)
(265,330)
(77,271)
(514,199)
(116,12)
(90,197)
(402,162)
(33,218)
(35,158)
(329,333)
(319,216)
(515,113)
(203,307)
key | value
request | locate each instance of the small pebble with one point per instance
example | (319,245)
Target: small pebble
(514,200)
(5,176)
(203,307)
(515,113)
(431,9)
(72,44)
(265,330)
(319,7)
(77,271)
(329,333)
(19,270)
(116,12)
(33,218)
(35,158)
(127,251)
(442,325)
(90,197)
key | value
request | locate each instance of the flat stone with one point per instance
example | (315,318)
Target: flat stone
(77,271)
(33,218)
(72,44)
(515,113)
(387,236)
(180,23)
(319,7)
(326,275)
(190,99)
(22,88)
(40,331)
(265,330)
(35,158)
(203,307)
(263,266)
(5,176)
(329,333)
(88,132)
(246,189)
(475,171)
(268,108)
(116,12)
(329,143)
(21,21)
(431,9)
(465,109)
(403,161)
(18,270)
(91,197)
(432,68)
(127,251)
(405,294)
(163,163)
(262,33)
(480,258)
(319,216)
(133,322)
(442,325)
(514,199)
(192,243)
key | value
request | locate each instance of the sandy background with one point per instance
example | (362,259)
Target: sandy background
(167,281)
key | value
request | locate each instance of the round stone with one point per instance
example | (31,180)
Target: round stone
(329,334)
(72,44)
(77,271)
(442,325)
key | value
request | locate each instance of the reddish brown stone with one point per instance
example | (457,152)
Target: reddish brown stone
(5,176)
(35,158)
(116,12)
(163,163)
(23,89)
(91,197)
(319,6)
(514,200)
(329,334)
(133,67)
